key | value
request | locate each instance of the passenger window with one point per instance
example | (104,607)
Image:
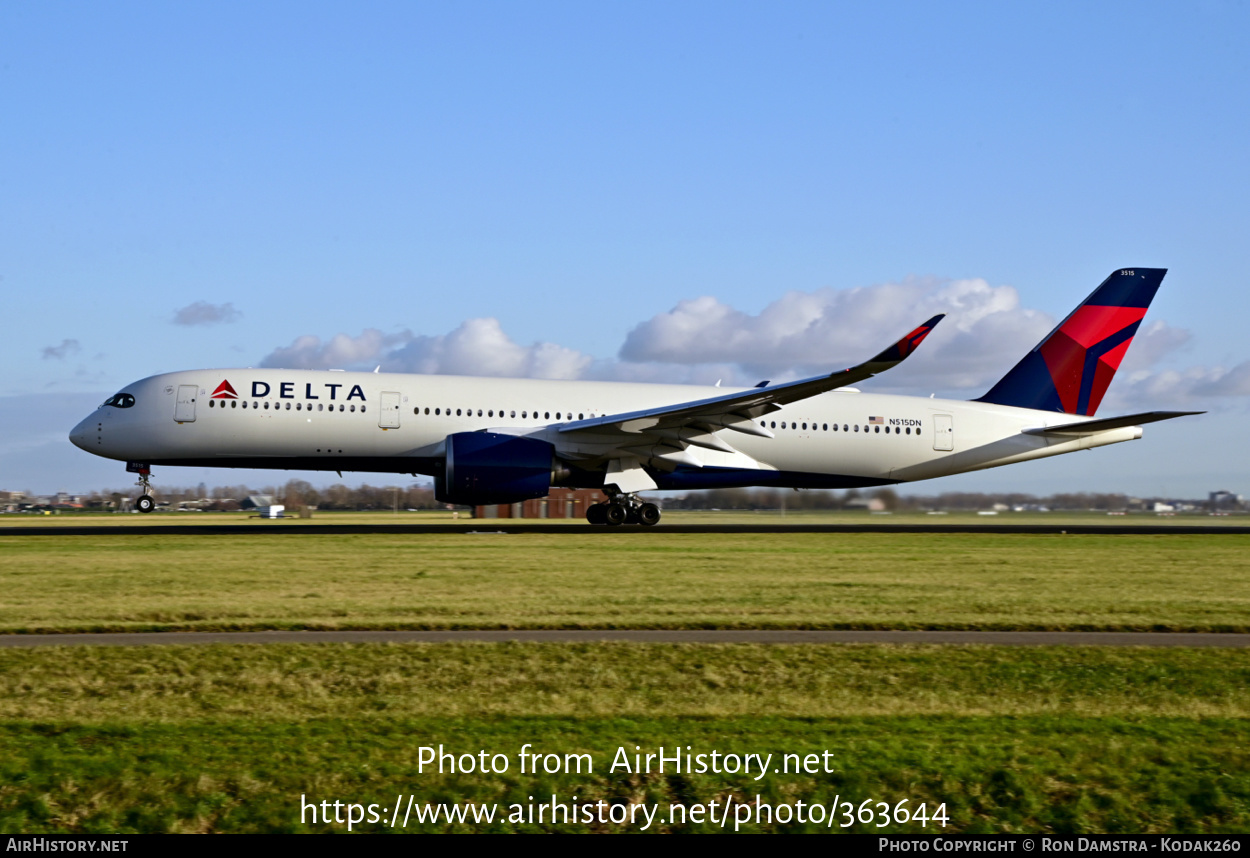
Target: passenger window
(234,403)
(856,427)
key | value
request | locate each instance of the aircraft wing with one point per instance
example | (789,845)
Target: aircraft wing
(736,410)
(626,444)
(683,424)
(1090,427)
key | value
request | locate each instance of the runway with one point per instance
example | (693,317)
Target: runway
(503,526)
(688,636)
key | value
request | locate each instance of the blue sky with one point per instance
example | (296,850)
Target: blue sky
(609,190)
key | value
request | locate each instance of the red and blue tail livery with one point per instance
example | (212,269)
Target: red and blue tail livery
(1070,370)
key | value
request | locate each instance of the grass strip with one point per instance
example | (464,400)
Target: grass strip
(229,738)
(994,774)
(446,581)
(244,682)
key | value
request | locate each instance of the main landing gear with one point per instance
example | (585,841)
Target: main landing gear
(146,503)
(624,509)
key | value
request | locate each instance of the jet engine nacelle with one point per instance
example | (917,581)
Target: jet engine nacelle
(489,468)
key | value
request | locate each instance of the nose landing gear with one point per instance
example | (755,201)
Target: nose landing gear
(146,503)
(623,509)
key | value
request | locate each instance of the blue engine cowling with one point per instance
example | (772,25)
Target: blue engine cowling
(489,468)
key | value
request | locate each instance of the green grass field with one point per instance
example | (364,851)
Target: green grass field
(313,580)
(228,738)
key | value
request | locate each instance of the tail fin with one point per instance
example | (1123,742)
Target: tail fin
(1069,370)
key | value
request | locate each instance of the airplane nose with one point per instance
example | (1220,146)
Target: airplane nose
(80,435)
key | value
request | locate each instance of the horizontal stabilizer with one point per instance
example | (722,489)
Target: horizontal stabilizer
(1090,427)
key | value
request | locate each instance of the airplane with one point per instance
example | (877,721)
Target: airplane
(503,440)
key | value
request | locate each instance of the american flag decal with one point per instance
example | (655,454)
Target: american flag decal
(876,421)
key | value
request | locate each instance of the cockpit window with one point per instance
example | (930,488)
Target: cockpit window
(119,400)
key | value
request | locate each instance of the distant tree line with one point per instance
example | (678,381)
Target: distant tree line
(300,493)
(293,494)
(890,500)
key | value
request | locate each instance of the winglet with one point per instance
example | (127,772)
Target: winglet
(900,350)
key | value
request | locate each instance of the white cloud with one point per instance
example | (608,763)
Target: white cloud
(1154,341)
(803,333)
(204,313)
(1234,382)
(476,347)
(703,340)
(339,352)
(480,347)
(1188,387)
(64,350)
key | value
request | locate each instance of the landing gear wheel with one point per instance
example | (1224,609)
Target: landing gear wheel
(145,503)
(597,513)
(615,514)
(648,515)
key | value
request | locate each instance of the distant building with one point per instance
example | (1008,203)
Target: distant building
(870,504)
(562,503)
(1224,500)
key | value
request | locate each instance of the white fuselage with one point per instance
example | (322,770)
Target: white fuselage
(338,421)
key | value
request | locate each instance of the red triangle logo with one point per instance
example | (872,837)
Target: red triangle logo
(225,391)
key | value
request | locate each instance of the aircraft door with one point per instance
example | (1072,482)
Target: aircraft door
(388,417)
(943,432)
(184,409)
